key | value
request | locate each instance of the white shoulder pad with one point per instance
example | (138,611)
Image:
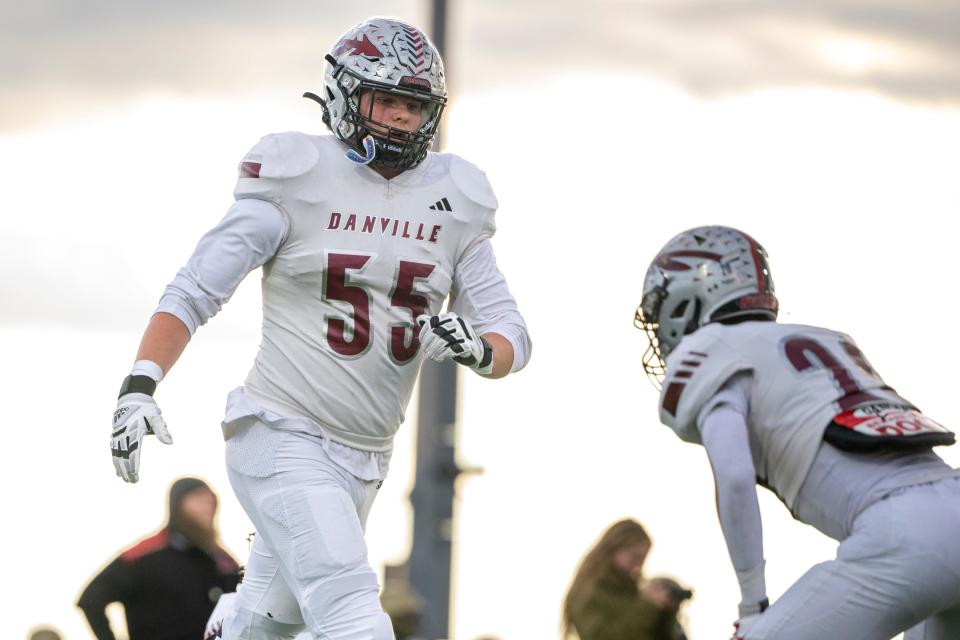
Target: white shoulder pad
(472,182)
(696,370)
(276,157)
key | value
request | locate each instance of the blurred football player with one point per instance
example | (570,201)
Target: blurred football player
(800,411)
(362,235)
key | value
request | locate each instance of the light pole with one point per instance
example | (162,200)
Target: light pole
(436,467)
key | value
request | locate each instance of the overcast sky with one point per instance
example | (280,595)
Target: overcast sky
(64,63)
(59,57)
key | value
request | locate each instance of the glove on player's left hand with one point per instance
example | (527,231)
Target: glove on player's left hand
(447,336)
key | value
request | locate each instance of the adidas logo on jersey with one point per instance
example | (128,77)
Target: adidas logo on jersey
(441,205)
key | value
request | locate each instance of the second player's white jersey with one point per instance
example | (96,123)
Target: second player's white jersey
(362,258)
(802,378)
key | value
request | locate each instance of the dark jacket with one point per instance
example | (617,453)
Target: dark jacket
(167,586)
(614,610)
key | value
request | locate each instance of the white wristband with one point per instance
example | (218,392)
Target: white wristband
(147,368)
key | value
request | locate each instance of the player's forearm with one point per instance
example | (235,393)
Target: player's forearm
(739,514)
(164,340)
(502,355)
(724,433)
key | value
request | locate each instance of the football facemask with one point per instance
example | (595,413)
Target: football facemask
(383,57)
(706,274)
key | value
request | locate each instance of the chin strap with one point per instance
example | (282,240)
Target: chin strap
(315,98)
(369,148)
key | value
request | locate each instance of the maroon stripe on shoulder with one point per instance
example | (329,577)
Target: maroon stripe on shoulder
(697,353)
(250,169)
(690,363)
(683,374)
(671,397)
(146,546)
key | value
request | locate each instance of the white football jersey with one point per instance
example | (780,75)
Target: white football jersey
(802,378)
(362,258)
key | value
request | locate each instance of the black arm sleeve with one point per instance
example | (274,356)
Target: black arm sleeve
(110,585)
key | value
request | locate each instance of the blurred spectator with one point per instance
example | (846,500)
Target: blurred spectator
(667,594)
(44,633)
(169,582)
(605,601)
(405,608)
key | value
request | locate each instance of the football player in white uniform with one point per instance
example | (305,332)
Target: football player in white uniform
(362,236)
(800,411)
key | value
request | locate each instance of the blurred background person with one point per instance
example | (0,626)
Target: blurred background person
(667,593)
(605,601)
(405,608)
(169,582)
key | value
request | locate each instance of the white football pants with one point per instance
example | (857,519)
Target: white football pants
(900,568)
(308,566)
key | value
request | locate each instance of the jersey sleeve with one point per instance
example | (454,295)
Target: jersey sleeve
(277,158)
(245,239)
(696,370)
(734,394)
(480,294)
(473,183)
(723,425)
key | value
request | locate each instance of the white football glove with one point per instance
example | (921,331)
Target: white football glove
(749,615)
(448,336)
(137,415)
(215,622)
(743,625)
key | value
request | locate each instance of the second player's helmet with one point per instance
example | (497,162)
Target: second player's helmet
(384,55)
(703,275)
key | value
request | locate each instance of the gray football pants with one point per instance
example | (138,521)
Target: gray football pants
(308,567)
(898,570)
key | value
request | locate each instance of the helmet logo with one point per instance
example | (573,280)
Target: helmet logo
(410,47)
(666,260)
(362,47)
